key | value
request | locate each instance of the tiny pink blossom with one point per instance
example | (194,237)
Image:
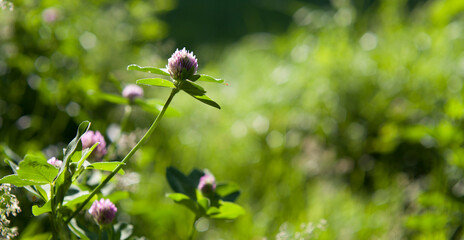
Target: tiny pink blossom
(55,162)
(89,139)
(103,211)
(132,91)
(207,183)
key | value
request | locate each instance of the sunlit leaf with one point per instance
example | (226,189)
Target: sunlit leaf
(206,78)
(75,199)
(14,167)
(198,92)
(77,230)
(205,99)
(159,82)
(228,191)
(203,201)
(43,193)
(36,210)
(19,182)
(184,200)
(213,211)
(226,210)
(153,70)
(106,166)
(81,156)
(192,88)
(34,168)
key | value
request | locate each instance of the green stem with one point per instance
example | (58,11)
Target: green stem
(111,232)
(53,212)
(193,231)
(128,156)
(54,230)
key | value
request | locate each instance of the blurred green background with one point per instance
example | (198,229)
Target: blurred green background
(348,111)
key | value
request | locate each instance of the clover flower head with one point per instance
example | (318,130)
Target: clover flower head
(207,183)
(89,139)
(55,162)
(103,211)
(132,91)
(182,64)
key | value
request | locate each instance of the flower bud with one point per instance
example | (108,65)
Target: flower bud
(132,91)
(103,211)
(182,64)
(89,139)
(207,183)
(55,162)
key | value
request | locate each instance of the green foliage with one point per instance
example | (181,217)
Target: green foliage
(349,112)
(225,210)
(206,78)
(188,86)
(106,166)
(153,70)
(198,93)
(46,208)
(33,170)
(217,205)
(156,82)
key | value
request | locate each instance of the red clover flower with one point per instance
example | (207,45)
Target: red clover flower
(207,183)
(103,211)
(132,91)
(182,64)
(89,139)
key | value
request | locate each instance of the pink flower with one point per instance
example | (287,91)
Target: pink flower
(132,91)
(182,64)
(103,211)
(55,162)
(89,139)
(207,183)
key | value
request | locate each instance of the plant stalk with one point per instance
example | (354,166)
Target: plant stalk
(53,212)
(193,231)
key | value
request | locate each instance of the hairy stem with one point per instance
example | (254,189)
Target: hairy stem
(128,156)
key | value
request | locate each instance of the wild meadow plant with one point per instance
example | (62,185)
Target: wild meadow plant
(67,189)
(6,5)
(9,206)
